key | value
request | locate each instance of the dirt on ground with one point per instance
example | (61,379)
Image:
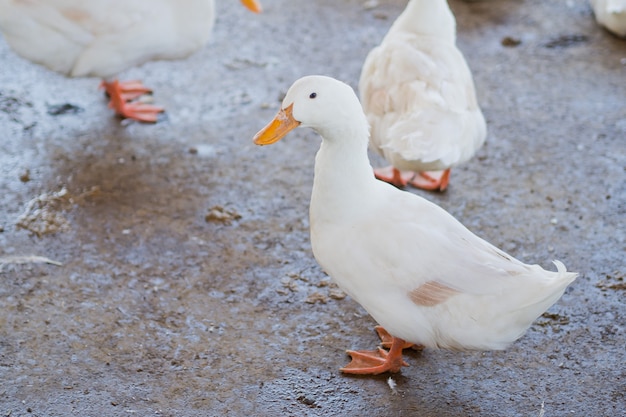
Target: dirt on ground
(166,269)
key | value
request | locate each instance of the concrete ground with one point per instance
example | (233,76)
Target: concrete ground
(185,283)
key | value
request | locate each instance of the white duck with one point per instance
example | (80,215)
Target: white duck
(104,37)
(418,94)
(419,272)
(611,14)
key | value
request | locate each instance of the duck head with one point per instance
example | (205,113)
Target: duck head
(324,104)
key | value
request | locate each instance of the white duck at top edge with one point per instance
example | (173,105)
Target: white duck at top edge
(418,94)
(104,37)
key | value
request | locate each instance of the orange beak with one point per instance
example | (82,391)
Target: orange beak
(278,128)
(252,5)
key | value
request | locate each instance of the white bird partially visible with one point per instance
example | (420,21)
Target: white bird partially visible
(420,273)
(418,94)
(104,37)
(611,14)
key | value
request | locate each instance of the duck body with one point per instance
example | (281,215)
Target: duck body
(417,271)
(418,93)
(422,275)
(611,14)
(104,37)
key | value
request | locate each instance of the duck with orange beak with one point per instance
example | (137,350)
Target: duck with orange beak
(422,275)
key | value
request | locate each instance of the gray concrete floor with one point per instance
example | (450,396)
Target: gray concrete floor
(157,311)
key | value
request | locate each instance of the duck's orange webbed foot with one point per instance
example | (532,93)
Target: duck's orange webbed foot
(431,180)
(128,90)
(394,176)
(374,362)
(122,96)
(141,112)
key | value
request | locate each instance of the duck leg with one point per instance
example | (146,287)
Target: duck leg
(431,180)
(386,340)
(122,96)
(394,176)
(374,362)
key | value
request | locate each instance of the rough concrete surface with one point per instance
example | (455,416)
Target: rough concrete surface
(186,284)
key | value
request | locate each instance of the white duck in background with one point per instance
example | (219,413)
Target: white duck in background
(419,272)
(418,94)
(104,37)
(611,14)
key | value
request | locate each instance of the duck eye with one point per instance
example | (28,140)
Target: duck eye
(313,95)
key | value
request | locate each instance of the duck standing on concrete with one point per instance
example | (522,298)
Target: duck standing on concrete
(104,37)
(418,94)
(420,273)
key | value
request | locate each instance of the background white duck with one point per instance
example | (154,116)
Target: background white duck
(418,94)
(611,14)
(104,37)
(419,272)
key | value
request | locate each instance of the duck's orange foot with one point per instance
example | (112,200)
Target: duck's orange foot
(394,176)
(386,340)
(431,180)
(374,362)
(122,96)
(128,90)
(139,111)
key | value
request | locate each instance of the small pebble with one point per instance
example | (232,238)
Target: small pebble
(336,294)
(25,176)
(510,42)
(316,297)
(220,214)
(370,4)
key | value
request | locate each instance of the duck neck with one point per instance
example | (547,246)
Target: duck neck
(427,18)
(343,174)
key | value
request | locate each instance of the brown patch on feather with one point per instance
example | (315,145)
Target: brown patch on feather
(431,293)
(76,15)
